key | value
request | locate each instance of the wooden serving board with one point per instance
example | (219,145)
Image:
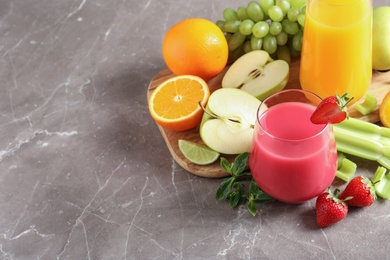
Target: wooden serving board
(380,85)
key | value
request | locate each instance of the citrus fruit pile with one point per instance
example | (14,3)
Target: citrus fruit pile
(195,50)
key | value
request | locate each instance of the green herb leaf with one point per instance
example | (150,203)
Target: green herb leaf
(224,188)
(238,196)
(226,165)
(234,191)
(252,207)
(234,198)
(263,197)
(239,164)
(246,174)
(238,186)
(253,188)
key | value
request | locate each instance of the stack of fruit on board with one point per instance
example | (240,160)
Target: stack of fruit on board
(253,47)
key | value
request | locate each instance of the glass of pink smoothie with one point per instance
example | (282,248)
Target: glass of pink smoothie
(292,159)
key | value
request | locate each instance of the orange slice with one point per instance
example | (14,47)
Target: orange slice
(384,110)
(174,104)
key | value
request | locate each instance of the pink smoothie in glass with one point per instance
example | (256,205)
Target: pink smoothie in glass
(292,159)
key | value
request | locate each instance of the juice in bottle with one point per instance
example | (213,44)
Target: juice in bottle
(336,48)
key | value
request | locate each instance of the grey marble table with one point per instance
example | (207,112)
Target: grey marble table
(85,173)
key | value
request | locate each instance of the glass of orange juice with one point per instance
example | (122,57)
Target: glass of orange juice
(337,48)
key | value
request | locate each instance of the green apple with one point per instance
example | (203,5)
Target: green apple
(381,38)
(228,122)
(258,74)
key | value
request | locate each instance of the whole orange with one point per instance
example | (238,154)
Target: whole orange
(195,46)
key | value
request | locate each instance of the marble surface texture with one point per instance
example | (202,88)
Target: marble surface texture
(85,173)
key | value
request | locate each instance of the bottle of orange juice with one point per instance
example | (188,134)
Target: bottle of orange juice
(336,48)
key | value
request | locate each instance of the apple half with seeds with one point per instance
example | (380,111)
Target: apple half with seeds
(258,74)
(228,122)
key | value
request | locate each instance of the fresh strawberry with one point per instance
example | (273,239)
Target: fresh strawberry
(361,190)
(332,110)
(329,208)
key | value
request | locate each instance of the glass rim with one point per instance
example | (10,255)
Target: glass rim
(261,115)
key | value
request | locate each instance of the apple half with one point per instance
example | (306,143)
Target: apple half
(258,74)
(228,122)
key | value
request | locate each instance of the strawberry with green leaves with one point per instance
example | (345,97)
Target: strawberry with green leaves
(332,110)
(361,190)
(330,209)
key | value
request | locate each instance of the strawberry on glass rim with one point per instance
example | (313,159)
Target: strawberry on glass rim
(332,109)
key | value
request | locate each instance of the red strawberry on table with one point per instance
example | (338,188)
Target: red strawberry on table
(332,110)
(330,209)
(361,190)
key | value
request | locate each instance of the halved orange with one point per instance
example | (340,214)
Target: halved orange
(384,110)
(174,104)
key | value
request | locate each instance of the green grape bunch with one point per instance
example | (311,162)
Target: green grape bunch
(275,26)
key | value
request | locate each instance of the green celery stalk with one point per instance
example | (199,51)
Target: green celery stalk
(368,106)
(379,174)
(360,145)
(385,159)
(366,129)
(347,169)
(381,182)
(340,158)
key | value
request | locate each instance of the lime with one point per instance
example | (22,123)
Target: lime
(196,153)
